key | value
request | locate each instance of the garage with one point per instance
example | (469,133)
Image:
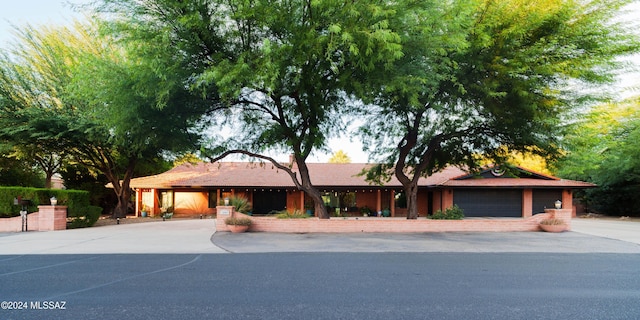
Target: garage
(489,202)
(545,199)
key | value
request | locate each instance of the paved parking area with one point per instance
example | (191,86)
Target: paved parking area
(198,236)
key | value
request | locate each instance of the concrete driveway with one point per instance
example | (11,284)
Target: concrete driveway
(623,230)
(172,236)
(198,236)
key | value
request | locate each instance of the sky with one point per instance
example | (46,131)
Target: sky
(37,12)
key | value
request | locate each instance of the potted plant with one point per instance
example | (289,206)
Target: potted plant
(553,225)
(167,213)
(238,224)
(145,211)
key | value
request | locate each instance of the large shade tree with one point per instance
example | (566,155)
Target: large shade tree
(108,106)
(480,79)
(283,68)
(603,148)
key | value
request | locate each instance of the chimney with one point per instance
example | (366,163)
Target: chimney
(292,159)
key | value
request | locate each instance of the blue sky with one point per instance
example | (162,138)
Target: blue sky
(35,12)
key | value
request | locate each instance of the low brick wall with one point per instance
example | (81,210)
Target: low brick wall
(48,218)
(399,225)
(15,224)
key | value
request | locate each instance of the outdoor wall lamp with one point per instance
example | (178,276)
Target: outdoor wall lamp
(558,204)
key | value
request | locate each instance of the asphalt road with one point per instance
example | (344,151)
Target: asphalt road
(322,286)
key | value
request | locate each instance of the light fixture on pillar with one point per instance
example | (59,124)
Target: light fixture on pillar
(558,204)
(54,201)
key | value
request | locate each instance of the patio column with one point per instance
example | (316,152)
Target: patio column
(567,201)
(527,203)
(154,205)
(378,201)
(302,201)
(447,198)
(392,203)
(138,202)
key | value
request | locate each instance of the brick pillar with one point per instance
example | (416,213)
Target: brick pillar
(52,218)
(223,212)
(567,201)
(527,203)
(447,198)
(392,205)
(564,214)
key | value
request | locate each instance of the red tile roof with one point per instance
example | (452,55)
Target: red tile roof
(323,175)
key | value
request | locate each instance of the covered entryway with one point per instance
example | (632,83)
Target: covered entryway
(489,202)
(268,201)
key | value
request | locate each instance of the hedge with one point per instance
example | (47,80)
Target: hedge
(77,202)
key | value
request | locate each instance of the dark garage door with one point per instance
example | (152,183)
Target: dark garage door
(489,203)
(545,199)
(268,201)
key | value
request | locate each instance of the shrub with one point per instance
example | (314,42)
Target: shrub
(238,221)
(552,222)
(296,214)
(77,201)
(240,204)
(452,213)
(87,219)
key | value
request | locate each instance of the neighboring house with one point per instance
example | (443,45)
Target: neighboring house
(196,189)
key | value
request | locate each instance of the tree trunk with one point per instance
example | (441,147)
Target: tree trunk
(120,211)
(121,187)
(306,186)
(318,203)
(411,191)
(47,179)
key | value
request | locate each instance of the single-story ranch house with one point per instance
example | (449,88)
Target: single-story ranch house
(196,189)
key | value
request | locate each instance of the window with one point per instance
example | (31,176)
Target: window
(213,198)
(339,199)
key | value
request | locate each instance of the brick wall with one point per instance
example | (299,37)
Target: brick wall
(371,224)
(47,218)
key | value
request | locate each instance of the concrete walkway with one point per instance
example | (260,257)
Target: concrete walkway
(198,236)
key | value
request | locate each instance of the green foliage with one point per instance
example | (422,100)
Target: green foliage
(16,172)
(296,214)
(495,76)
(451,213)
(108,105)
(239,203)
(238,221)
(77,201)
(88,218)
(280,68)
(603,149)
